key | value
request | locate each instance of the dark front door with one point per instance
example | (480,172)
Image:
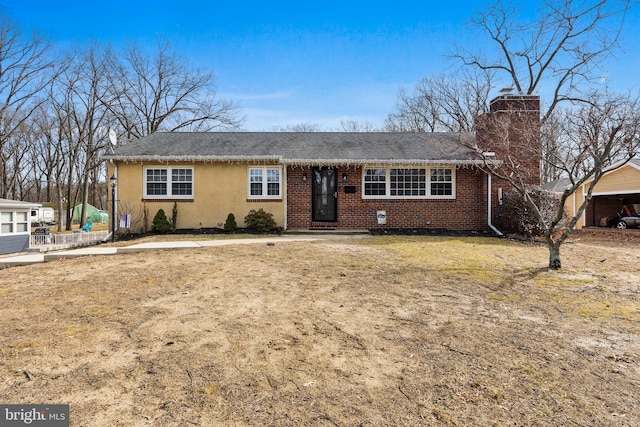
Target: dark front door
(325,194)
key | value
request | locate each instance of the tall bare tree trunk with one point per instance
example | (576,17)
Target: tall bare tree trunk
(60,207)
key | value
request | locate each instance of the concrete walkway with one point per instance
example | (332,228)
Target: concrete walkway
(34,258)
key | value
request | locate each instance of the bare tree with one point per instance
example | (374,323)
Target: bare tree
(555,145)
(44,154)
(15,175)
(562,49)
(560,52)
(358,126)
(300,127)
(345,126)
(85,120)
(163,92)
(442,103)
(56,153)
(603,132)
(25,70)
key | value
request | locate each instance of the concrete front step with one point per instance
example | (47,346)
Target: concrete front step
(328,231)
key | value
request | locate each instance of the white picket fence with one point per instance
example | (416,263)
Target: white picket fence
(70,239)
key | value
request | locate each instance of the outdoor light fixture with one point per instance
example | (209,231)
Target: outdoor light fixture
(113,181)
(344,177)
(304,177)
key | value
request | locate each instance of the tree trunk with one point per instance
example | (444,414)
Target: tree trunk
(60,207)
(554,257)
(70,205)
(85,195)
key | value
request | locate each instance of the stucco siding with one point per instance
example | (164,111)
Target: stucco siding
(218,189)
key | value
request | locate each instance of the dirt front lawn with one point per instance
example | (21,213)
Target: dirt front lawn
(378,331)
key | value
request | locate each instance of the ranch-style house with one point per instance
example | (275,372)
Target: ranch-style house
(316,180)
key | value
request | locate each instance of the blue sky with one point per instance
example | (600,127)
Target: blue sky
(287,63)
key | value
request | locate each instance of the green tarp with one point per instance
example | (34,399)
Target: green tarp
(100,216)
(93,214)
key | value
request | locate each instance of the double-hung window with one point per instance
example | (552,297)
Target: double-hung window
(409,183)
(441,182)
(182,182)
(265,183)
(169,183)
(14,222)
(7,222)
(23,223)
(375,182)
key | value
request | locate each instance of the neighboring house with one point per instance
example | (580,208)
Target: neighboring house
(618,188)
(317,180)
(558,185)
(15,225)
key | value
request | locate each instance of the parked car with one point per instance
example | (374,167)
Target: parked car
(630,221)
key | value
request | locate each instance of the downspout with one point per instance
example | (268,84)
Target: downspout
(115,173)
(491,226)
(285,193)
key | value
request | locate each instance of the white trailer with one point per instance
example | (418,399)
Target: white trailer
(42,216)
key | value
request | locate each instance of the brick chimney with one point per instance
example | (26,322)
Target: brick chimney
(511,129)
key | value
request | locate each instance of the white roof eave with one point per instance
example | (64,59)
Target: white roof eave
(298,162)
(382,162)
(17,204)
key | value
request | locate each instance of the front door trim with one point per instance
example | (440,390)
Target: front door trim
(324,194)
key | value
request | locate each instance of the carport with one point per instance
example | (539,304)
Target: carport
(619,188)
(610,205)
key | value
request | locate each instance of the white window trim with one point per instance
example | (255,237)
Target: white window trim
(428,184)
(265,185)
(168,196)
(14,223)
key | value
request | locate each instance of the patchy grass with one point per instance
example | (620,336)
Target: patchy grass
(377,331)
(177,237)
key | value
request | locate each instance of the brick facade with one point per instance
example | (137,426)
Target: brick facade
(511,129)
(467,212)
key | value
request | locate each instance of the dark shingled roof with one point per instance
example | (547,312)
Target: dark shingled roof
(558,185)
(299,147)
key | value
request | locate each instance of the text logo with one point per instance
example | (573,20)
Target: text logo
(34,415)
